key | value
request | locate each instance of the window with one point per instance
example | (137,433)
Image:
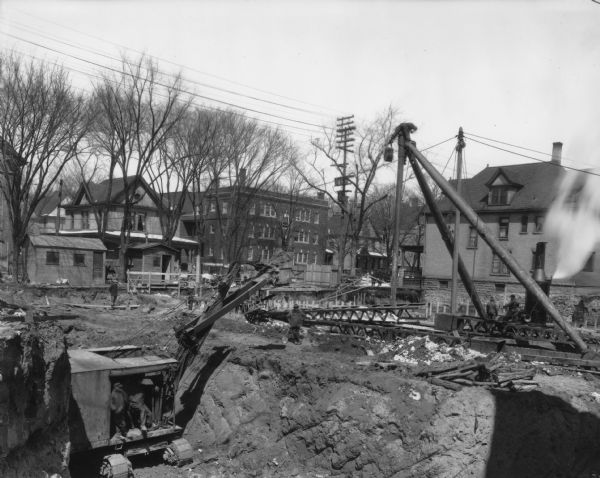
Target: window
(141,222)
(253,209)
(503,229)
(303,215)
(498,196)
(301,257)
(268,210)
(85,220)
(315,239)
(500,288)
(211,228)
(265,254)
(155,261)
(211,252)
(269,232)
(301,236)
(222,256)
(524,222)
(472,238)
(224,207)
(251,232)
(444,284)
(72,220)
(213,206)
(316,217)
(499,267)
(589,265)
(78,259)
(52,258)
(539,224)
(250,254)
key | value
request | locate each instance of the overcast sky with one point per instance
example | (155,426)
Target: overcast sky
(523,72)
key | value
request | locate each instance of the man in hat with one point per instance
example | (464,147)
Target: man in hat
(118,407)
(296,321)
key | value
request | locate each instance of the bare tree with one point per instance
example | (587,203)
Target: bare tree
(382,217)
(87,166)
(180,168)
(350,213)
(139,109)
(292,185)
(42,124)
(256,157)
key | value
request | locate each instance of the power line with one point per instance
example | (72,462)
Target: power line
(200,106)
(178,64)
(536,159)
(520,147)
(181,90)
(199,83)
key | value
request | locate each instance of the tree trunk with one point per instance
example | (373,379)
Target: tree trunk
(354,244)
(19,269)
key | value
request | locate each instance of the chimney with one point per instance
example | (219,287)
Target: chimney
(556,152)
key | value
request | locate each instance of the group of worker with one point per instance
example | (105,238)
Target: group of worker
(128,407)
(512,308)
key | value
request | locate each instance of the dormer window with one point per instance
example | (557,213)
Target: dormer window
(499,195)
(501,189)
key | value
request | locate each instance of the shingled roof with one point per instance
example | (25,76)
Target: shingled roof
(537,187)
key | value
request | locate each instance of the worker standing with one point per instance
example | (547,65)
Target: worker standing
(491,309)
(296,321)
(579,314)
(113,290)
(512,308)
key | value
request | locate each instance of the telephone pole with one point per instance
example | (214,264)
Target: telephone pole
(345,142)
(344,139)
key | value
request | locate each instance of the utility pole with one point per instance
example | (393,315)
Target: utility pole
(344,141)
(57,225)
(397,208)
(459,148)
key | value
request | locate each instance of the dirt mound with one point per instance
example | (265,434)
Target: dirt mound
(34,399)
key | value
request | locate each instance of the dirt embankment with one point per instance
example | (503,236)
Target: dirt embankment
(34,399)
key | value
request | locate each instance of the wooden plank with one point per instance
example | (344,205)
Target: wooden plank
(445,384)
(100,306)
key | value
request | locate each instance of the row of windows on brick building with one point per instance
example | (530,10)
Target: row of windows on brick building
(264,254)
(266,210)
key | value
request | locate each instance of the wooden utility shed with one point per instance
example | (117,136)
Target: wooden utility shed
(54,259)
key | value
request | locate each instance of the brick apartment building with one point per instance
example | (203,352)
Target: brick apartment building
(250,225)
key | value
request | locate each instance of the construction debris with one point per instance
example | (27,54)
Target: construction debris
(495,372)
(423,351)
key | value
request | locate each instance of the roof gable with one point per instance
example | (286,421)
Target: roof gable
(535,183)
(97,193)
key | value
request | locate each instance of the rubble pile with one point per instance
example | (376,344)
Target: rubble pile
(424,351)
